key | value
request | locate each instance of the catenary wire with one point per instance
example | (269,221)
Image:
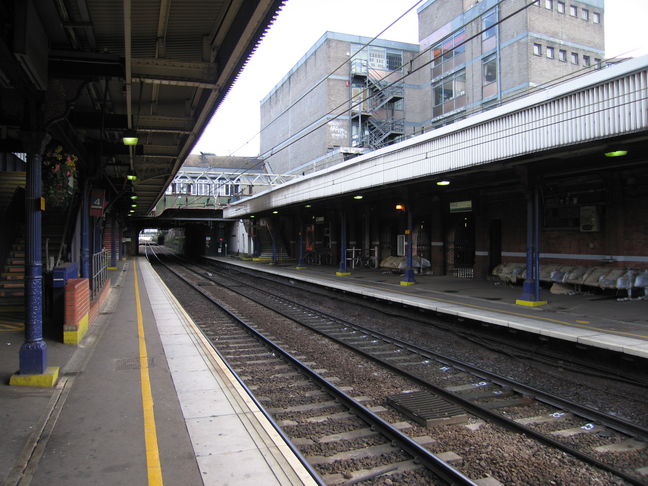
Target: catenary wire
(330,116)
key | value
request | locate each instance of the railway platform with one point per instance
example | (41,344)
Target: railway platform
(142,399)
(599,321)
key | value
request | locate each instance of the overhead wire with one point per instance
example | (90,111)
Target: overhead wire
(322,80)
(478,141)
(349,100)
(332,113)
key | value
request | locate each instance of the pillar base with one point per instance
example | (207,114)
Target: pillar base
(46,380)
(407,282)
(342,274)
(531,303)
(33,357)
(300,268)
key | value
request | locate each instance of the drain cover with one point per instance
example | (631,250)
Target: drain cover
(427,409)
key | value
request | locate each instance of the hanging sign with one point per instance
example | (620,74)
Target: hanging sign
(97,202)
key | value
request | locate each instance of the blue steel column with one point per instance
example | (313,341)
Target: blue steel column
(408,278)
(85,230)
(33,352)
(536,245)
(300,244)
(342,270)
(113,254)
(527,286)
(275,257)
(531,286)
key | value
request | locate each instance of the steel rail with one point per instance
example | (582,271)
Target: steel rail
(316,477)
(437,466)
(579,410)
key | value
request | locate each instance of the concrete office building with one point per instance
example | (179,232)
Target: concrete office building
(484,51)
(473,54)
(304,131)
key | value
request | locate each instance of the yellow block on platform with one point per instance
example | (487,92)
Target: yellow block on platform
(531,303)
(46,380)
(75,337)
(407,283)
(300,268)
(342,274)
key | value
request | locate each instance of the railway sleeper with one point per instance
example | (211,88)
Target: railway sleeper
(373,473)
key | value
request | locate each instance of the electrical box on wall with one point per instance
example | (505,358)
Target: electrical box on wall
(589,219)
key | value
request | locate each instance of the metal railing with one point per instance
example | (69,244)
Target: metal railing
(100,264)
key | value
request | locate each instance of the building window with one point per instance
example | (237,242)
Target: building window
(394,60)
(585,14)
(550,52)
(489,82)
(549,4)
(574,58)
(560,6)
(562,55)
(377,58)
(449,53)
(587,61)
(597,62)
(596,18)
(489,30)
(488,24)
(573,10)
(537,49)
(450,93)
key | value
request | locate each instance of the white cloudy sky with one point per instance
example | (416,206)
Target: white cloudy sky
(233,129)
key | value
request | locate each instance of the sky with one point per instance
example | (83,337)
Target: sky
(234,128)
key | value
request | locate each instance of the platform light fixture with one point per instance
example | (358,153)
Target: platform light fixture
(133,197)
(358,196)
(133,205)
(129,138)
(399,207)
(616,153)
(275,212)
(131,176)
(308,206)
(443,183)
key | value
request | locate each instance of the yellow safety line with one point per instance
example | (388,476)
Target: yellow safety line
(150,435)
(10,328)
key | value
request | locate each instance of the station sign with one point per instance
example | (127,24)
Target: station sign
(461,206)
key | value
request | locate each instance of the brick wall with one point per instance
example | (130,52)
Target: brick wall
(77,310)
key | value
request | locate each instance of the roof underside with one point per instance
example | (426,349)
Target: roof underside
(160,67)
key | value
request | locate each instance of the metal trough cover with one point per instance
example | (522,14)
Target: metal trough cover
(426,408)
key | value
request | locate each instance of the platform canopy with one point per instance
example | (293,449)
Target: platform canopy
(89,72)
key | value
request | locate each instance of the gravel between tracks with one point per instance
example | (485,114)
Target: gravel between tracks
(486,451)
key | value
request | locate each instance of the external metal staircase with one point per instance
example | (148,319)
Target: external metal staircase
(373,111)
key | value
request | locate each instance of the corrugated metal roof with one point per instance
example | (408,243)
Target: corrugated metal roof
(605,104)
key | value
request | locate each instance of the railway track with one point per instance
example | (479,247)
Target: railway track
(349,443)
(460,390)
